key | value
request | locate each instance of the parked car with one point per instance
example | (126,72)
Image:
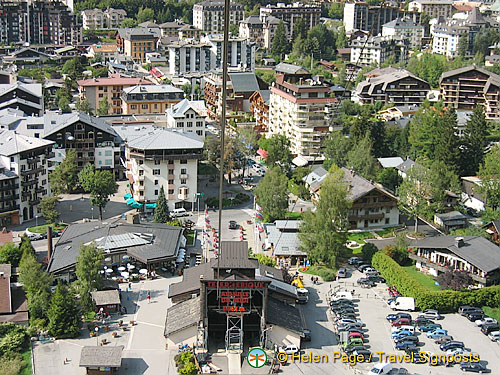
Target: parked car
(342,273)
(486,320)
(354,260)
(430,314)
(403,344)
(289,349)
(494,336)
(451,345)
(349,321)
(353,342)
(401,334)
(488,328)
(464,310)
(369,270)
(179,212)
(352,349)
(376,278)
(355,335)
(367,355)
(437,333)
(473,316)
(307,334)
(401,322)
(233,224)
(430,327)
(341,301)
(479,367)
(443,339)
(420,321)
(362,267)
(366,283)
(460,351)
(412,338)
(392,317)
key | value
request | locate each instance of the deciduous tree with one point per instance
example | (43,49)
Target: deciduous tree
(272,194)
(361,160)
(278,151)
(10,253)
(84,106)
(64,178)
(48,209)
(103,108)
(100,184)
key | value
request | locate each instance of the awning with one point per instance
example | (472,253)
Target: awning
(130,201)
(262,153)
(127,196)
(300,161)
(151,205)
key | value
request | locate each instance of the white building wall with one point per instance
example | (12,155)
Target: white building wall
(282,336)
(349,9)
(104,157)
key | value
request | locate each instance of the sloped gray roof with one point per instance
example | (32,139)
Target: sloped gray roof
(31,88)
(6,269)
(244,82)
(317,174)
(289,68)
(165,243)
(392,162)
(284,315)
(404,166)
(360,186)
(54,123)
(234,254)
(284,243)
(101,356)
(12,143)
(454,72)
(453,215)
(178,110)
(106,297)
(288,224)
(402,23)
(478,251)
(183,315)
(166,139)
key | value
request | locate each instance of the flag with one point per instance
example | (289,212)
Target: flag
(259,216)
(207,220)
(258,208)
(206,211)
(260,228)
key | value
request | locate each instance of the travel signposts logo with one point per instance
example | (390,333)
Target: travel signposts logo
(256,358)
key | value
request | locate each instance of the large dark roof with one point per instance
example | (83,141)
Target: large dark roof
(284,315)
(101,356)
(478,251)
(234,254)
(183,315)
(158,241)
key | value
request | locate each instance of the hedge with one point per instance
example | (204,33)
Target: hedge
(444,301)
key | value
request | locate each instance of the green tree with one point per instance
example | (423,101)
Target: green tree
(64,178)
(272,194)
(63,105)
(100,184)
(26,246)
(63,314)
(145,14)
(161,211)
(323,232)
(413,195)
(88,265)
(474,142)
(342,37)
(278,151)
(10,254)
(388,177)
(128,23)
(368,250)
(336,11)
(48,209)
(84,106)
(211,149)
(103,108)
(187,88)
(489,173)
(36,285)
(264,259)
(361,160)
(280,45)
(267,76)
(234,29)
(299,29)
(336,149)
(463,46)
(73,68)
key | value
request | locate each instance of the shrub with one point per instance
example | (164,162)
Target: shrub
(368,250)
(455,280)
(327,274)
(445,300)
(13,338)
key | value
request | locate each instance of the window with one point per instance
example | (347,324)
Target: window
(183,171)
(170,191)
(387,210)
(156,182)
(157,162)
(141,172)
(100,162)
(387,221)
(108,153)
(133,106)
(183,181)
(156,172)
(141,162)
(12,158)
(101,95)
(144,106)
(170,182)
(184,161)
(108,162)
(189,124)
(170,171)
(199,132)
(156,192)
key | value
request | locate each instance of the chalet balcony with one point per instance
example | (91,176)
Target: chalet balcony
(7,198)
(9,208)
(367,217)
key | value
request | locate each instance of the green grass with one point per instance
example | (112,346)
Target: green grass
(293,216)
(357,251)
(492,312)
(423,279)
(359,237)
(190,237)
(43,228)
(387,232)
(293,187)
(27,360)
(326,273)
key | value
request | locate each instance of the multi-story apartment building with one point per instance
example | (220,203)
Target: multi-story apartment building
(109,88)
(189,32)
(24,177)
(358,15)
(171,28)
(39,22)
(189,56)
(209,15)
(159,157)
(392,85)
(97,19)
(300,108)
(433,8)
(106,51)
(378,49)
(188,116)
(150,99)
(405,28)
(290,13)
(24,96)
(241,52)
(259,106)
(136,43)
(259,30)
(468,87)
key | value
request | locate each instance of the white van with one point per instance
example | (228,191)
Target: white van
(403,304)
(179,212)
(381,368)
(342,295)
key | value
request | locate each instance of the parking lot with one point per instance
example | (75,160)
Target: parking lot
(373,309)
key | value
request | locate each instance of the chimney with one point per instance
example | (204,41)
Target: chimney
(459,241)
(49,242)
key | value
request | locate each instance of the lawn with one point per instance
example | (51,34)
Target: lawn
(424,280)
(43,228)
(293,216)
(492,312)
(359,237)
(190,237)
(27,360)
(326,273)
(387,232)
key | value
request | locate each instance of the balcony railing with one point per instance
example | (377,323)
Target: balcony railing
(28,183)
(34,202)
(8,187)
(31,171)
(182,197)
(7,198)
(10,208)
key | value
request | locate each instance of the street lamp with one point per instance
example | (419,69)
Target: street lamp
(92,209)
(36,220)
(96,329)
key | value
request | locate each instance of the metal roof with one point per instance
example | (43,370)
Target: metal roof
(284,315)
(150,89)
(453,215)
(101,356)
(12,143)
(390,162)
(54,123)
(166,139)
(234,254)
(244,82)
(290,69)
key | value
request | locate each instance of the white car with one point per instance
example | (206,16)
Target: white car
(494,336)
(430,314)
(289,349)
(459,351)
(369,269)
(486,320)
(349,321)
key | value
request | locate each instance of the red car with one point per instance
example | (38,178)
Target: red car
(401,322)
(356,335)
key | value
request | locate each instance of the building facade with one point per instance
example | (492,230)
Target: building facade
(433,8)
(301,108)
(259,106)
(109,88)
(241,52)
(291,13)
(259,30)
(378,49)
(24,177)
(136,43)
(189,56)
(97,19)
(188,116)
(405,28)
(148,99)
(209,15)
(24,96)
(468,87)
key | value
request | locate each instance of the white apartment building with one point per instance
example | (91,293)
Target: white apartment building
(189,56)
(188,116)
(241,52)
(97,19)
(24,177)
(291,13)
(378,49)
(209,15)
(156,157)
(445,39)
(301,109)
(433,8)
(259,29)
(405,28)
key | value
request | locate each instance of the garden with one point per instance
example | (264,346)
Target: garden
(42,229)
(15,353)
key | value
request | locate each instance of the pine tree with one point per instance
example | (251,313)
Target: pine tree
(161,212)
(63,314)
(474,142)
(88,266)
(281,45)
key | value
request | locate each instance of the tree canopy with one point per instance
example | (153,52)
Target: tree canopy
(489,173)
(278,151)
(48,209)
(63,314)
(100,184)
(272,194)
(64,178)
(88,267)
(161,211)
